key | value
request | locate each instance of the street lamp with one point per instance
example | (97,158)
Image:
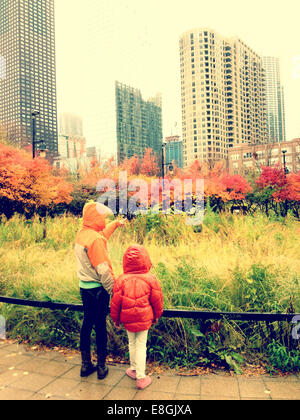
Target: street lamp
(34,114)
(163,164)
(286,171)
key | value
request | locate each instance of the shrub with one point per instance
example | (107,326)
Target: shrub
(283,359)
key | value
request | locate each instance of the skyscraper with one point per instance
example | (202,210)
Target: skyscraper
(115,50)
(275,100)
(223,95)
(28,81)
(139,123)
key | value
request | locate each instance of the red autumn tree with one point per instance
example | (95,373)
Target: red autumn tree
(293,187)
(279,190)
(275,182)
(290,190)
(273,177)
(235,187)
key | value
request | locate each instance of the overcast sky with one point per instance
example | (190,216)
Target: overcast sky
(136,42)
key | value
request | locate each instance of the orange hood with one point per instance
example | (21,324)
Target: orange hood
(94,215)
(136,260)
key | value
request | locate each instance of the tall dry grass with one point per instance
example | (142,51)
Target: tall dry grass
(32,265)
(235,263)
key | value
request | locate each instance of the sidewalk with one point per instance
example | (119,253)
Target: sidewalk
(29,375)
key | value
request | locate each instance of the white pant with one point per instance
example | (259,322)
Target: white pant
(138,352)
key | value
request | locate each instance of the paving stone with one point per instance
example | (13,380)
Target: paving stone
(14,394)
(34,365)
(150,394)
(127,382)
(73,373)
(46,367)
(255,399)
(47,355)
(225,387)
(2,367)
(41,397)
(59,387)
(72,359)
(165,383)
(186,397)
(189,386)
(121,394)
(287,378)
(283,390)
(31,381)
(14,348)
(14,358)
(88,391)
(3,353)
(218,398)
(253,389)
(9,376)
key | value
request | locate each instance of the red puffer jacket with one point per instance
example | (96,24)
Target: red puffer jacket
(137,298)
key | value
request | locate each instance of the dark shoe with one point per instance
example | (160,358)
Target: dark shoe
(87,369)
(102,372)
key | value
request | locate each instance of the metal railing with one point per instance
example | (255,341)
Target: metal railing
(168,313)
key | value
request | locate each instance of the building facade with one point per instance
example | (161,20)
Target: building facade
(75,156)
(248,157)
(138,123)
(28,71)
(71,146)
(70,124)
(274,100)
(222,95)
(173,152)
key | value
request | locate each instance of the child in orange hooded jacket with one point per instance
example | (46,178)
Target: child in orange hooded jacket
(137,303)
(96,281)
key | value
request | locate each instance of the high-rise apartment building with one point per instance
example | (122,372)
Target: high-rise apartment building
(223,95)
(28,75)
(275,100)
(139,123)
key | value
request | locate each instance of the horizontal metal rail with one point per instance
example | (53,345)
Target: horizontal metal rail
(168,313)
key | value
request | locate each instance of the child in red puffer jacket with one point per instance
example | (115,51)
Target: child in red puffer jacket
(137,303)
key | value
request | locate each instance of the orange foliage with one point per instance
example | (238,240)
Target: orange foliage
(30,182)
(132,166)
(149,164)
